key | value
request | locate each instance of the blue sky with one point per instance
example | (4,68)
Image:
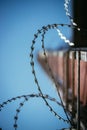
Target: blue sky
(19,20)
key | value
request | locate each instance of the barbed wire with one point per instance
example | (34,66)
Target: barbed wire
(42,31)
(46,97)
(44,28)
(26,98)
(28,95)
(64,38)
(22,104)
(51,74)
(68,14)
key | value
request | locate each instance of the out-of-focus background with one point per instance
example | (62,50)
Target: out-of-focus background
(19,20)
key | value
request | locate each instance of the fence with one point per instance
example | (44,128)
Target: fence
(68,69)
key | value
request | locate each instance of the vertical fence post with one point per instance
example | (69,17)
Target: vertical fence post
(73,81)
(78,90)
(66,80)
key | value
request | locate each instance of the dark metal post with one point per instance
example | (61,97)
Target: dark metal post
(80,17)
